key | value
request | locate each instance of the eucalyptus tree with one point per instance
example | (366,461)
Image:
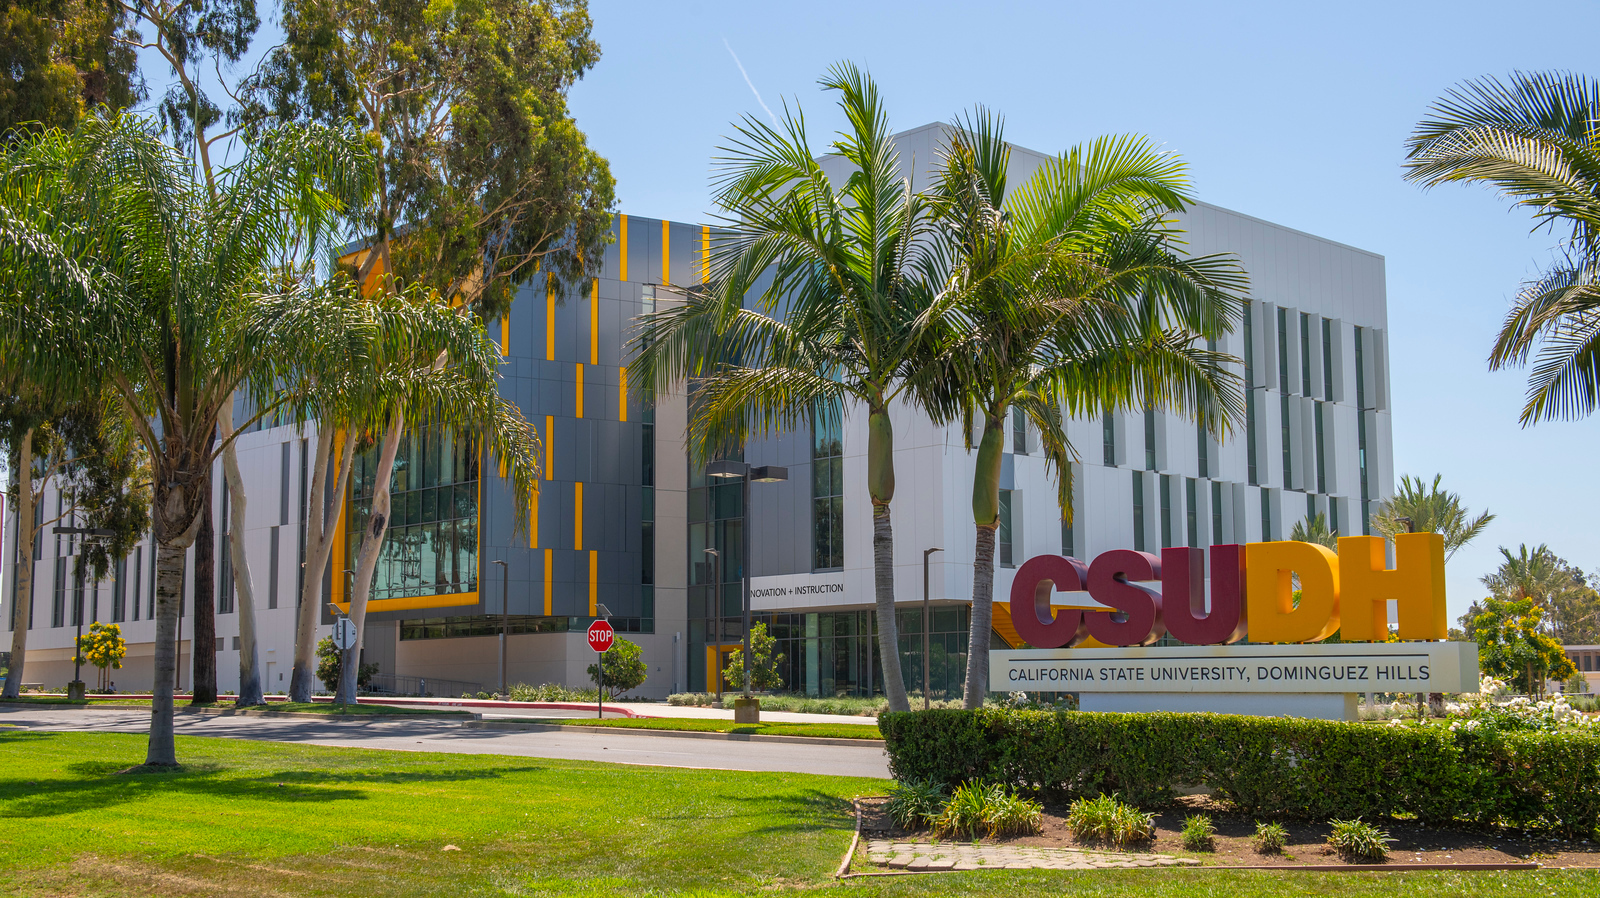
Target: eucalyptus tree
(484,178)
(839,278)
(1066,295)
(179,300)
(1536,139)
(1421,507)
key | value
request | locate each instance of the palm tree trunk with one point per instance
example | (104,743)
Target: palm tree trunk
(880,482)
(986,515)
(319,548)
(367,560)
(169,593)
(243,586)
(23,591)
(203,632)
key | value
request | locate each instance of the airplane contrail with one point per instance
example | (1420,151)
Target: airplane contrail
(748,82)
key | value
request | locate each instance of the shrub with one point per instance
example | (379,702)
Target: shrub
(1271,837)
(977,808)
(1355,839)
(550,692)
(1198,833)
(914,804)
(1105,819)
(1320,769)
(624,668)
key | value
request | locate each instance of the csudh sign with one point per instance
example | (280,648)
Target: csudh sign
(1252,594)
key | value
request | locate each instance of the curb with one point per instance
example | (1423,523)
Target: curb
(341,717)
(850,853)
(684,734)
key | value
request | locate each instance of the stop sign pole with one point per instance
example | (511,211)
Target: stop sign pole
(600,638)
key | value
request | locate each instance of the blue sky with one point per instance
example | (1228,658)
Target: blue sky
(1295,113)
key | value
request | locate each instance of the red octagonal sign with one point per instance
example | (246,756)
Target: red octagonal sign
(601,635)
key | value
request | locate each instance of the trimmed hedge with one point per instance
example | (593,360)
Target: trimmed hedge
(1318,769)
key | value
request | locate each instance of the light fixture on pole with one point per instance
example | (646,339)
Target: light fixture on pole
(925,625)
(505,618)
(75,689)
(727,468)
(716,599)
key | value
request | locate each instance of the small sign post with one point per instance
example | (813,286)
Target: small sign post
(344,636)
(600,638)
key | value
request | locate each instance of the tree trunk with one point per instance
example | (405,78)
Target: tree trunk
(243,586)
(367,560)
(319,548)
(26,536)
(986,516)
(880,483)
(169,595)
(203,632)
(977,685)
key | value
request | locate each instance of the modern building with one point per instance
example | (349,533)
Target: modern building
(623,519)
(1586,658)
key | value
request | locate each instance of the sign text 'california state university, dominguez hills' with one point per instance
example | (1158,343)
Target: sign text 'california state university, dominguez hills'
(1092,627)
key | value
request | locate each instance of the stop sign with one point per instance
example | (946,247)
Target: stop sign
(601,635)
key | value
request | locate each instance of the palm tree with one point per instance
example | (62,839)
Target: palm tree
(838,275)
(1066,295)
(1536,138)
(1536,575)
(436,365)
(1417,508)
(182,298)
(1315,530)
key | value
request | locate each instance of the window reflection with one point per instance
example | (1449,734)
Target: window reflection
(431,547)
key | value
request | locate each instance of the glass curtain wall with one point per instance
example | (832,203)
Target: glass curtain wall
(431,547)
(832,654)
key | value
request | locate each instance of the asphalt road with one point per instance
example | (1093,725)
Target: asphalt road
(630,747)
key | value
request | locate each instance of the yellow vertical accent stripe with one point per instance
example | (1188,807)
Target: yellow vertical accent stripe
(505,334)
(577,515)
(580,389)
(622,247)
(594,582)
(622,393)
(666,252)
(547,590)
(549,321)
(705,253)
(594,322)
(549,446)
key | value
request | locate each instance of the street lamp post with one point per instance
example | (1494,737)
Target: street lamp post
(716,592)
(925,624)
(75,689)
(505,618)
(746,473)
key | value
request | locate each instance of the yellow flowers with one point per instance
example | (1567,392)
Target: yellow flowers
(104,647)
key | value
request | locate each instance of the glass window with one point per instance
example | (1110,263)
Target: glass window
(1322,458)
(1202,449)
(1191,511)
(1216,512)
(431,547)
(1305,355)
(1166,509)
(1019,431)
(1288,449)
(1266,515)
(1327,359)
(1138,511)
(827,492)
(1108,441)
(1149,439)
(1003,534)
(1283,350)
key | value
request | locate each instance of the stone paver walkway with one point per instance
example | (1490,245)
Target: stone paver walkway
(967,856)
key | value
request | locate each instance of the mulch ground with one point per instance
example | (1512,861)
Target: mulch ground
(1235,845)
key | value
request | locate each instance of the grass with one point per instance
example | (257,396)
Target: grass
(251,818)
(44,700)
(814,730)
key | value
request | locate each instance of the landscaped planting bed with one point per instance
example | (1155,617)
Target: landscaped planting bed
(1293,768)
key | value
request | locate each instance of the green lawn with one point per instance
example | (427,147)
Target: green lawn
(247,818)
(44,700)
(816,730)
